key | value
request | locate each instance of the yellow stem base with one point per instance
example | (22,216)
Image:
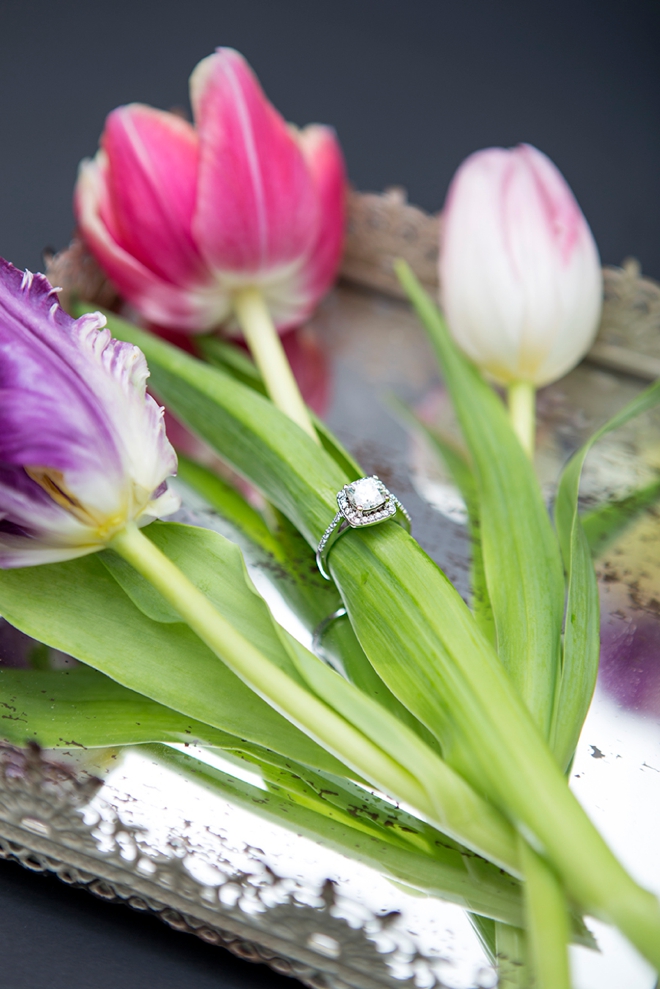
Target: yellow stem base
(522,409)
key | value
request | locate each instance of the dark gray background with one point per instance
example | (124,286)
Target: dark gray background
(411,88)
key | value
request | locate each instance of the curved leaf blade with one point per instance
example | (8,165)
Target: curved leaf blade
(521,558)
(79,608)
(82,708)
(582,630)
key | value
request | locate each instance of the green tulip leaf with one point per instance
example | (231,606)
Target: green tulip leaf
(82,708)
(234,361)
(606,523)
(225,499)
(79,607)
(457,463)
(521,558)
(310,596)
(480,826)
(142,594)
(581,633)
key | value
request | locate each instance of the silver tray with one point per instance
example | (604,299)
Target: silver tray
(146,826)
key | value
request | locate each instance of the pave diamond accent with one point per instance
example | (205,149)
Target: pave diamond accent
(328,532)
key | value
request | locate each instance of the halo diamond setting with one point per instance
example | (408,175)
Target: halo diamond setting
(363,502)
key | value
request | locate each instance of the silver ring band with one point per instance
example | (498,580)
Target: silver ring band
(361,503)
(317,637)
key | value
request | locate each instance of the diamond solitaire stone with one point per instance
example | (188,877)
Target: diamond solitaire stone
(367,494)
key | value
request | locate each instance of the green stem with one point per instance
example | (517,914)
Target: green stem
(444,797)
(511,957)
(548,925)
(264,677)
(522,409)
(266,348)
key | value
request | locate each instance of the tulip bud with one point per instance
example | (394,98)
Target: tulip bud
(83,449)
(181,217)
(520,275)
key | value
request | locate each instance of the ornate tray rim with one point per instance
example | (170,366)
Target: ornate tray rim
(41,798)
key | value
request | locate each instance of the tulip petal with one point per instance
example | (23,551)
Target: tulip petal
(479,292)
(35,529)
(151,187)
(180,219)
(571,252)
(187,309)
(326,164)
(117,372)
(257,208)
(83,449)
(41,531)
(37,369)
(519,269)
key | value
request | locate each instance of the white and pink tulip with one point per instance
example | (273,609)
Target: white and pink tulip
(521,281)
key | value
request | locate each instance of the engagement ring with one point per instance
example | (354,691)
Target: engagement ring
(363,502)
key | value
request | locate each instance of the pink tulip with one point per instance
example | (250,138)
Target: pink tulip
(181,217)
(519,269)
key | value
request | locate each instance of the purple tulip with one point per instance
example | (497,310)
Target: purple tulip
(83,449)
